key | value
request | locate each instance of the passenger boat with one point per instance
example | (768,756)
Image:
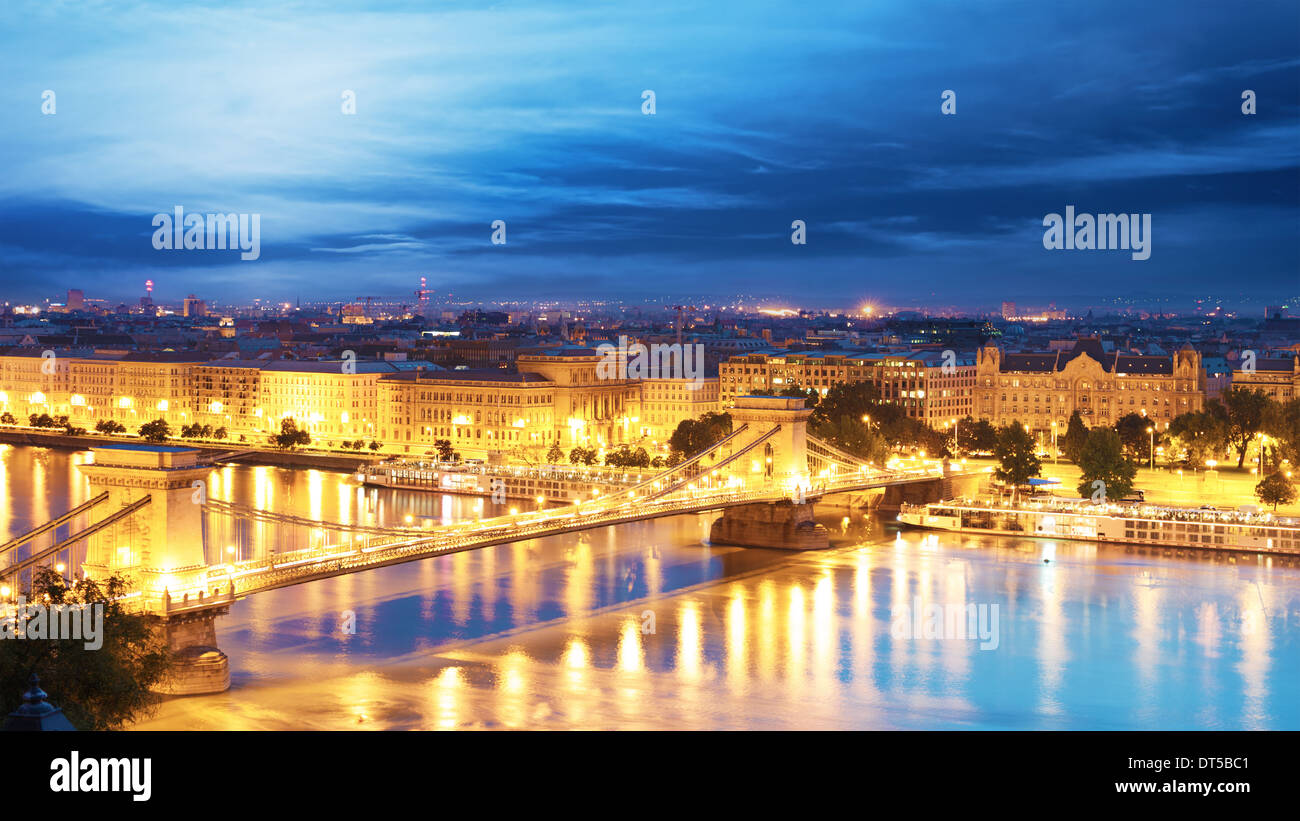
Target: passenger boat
(1122,523)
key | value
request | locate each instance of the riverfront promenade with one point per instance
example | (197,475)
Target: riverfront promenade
(1221,488)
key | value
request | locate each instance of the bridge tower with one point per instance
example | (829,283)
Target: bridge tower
(783,459)
(160,547)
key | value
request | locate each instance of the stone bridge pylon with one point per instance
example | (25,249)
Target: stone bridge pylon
(161,540)
(782,459)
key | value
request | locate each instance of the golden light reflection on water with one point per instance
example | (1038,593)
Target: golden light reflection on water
(630,654)
(447,689)
(689,649)
(737,664)
(1256,655)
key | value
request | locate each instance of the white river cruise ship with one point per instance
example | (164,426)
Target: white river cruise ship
(1122,523)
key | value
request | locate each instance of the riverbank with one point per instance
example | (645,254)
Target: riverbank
(234,451)
(1183,488)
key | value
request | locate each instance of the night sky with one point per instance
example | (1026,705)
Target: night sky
(766,113)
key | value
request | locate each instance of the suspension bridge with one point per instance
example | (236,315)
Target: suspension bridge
(164,532)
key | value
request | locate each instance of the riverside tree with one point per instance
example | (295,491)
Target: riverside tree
(1199,436)
(1276,489)
(290,436)
(556,454)
(156,431)
(1242,412)
(695,435)
(1017,456)
(1103,460)
(1076,434)
(976,435)
(102,688)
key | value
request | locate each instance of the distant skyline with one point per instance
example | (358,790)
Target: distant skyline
(764,114)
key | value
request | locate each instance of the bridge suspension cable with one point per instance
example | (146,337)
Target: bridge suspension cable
(733,457)
(832,453)
(53,523)
(694,460)
(80,535)
(239,511)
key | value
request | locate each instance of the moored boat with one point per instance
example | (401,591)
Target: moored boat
(1123,523)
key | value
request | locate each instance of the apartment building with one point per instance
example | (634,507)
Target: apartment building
(1278,377)
(934,386)
(666,402)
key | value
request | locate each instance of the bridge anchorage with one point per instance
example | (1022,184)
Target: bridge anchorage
(166,536)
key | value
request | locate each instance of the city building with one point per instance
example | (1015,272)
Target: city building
(1042,390)
(556,396)
(666,402)
(1277,376)
(934,386)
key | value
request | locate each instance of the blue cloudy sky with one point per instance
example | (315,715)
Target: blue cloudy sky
(530,112)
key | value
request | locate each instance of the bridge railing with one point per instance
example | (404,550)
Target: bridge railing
(599,474)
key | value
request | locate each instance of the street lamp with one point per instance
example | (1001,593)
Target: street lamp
(1054,451)
(1151,448)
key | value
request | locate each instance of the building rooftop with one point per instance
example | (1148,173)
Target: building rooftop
(468,375)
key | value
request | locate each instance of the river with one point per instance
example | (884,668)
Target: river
(643,626)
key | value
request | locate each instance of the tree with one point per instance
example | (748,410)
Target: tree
(290,436)
(1276,489)
(853,400)
(109,426)
(7,418)
(810,396)
(1242,412)
(853,436)
(1102,460)
(98,689)
(1199,436)
(156,431)
(1282,423)
(555,455)
(1076,434)
(1017,456)
(219,433)
(1132,430)
(375,446)
(695,435)
(575,455)
(976,436)
(445,451)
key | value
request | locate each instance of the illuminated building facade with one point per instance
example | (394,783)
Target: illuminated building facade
(558,396)
(481,412)
(335,401)
(1040,390)
(130,389)
(666,402)
(927,385)
(1278,377)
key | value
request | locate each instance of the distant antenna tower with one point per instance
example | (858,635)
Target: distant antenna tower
(148,286)
(422,294)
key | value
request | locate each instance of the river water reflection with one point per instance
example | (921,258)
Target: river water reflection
(642,626)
